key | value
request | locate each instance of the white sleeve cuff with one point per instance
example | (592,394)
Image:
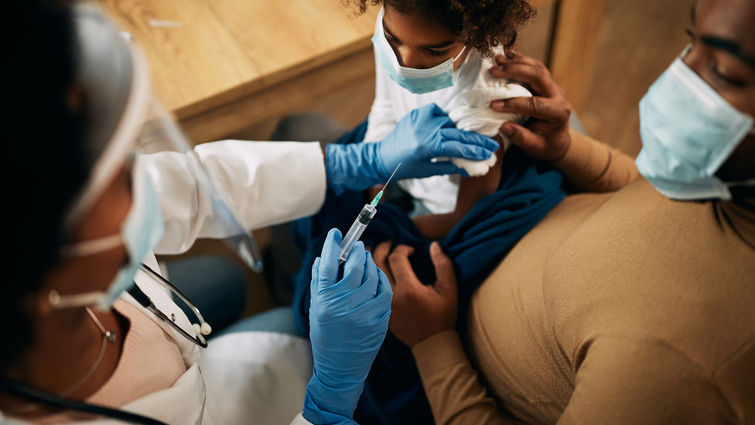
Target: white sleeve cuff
(299,420)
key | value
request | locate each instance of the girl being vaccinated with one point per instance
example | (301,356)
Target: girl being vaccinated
(429,53)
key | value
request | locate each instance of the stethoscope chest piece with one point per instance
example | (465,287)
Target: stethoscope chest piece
(200,329)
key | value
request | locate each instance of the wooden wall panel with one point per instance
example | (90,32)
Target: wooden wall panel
(575,46)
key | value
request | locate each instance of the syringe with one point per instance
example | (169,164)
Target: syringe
(363,219)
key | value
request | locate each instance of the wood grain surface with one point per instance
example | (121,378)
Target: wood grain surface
(205,54)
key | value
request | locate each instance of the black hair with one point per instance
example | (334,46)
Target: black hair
(44,158)
(480,24)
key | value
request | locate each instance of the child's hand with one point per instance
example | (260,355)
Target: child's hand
(547,134)
(418,311)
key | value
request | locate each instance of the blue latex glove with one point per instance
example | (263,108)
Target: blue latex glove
(420,136)
(348,320)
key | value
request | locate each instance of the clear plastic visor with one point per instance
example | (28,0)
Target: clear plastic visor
(155,135)
(159,133)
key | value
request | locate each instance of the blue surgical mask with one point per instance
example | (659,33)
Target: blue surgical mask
(688,130)
(141,231)
(417,81)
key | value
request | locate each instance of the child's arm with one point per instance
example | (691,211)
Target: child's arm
(471,190)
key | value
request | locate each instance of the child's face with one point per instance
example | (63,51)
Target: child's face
(418,43)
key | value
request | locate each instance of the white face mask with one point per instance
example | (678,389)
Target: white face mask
(140,233)
(417,81)
(688,131)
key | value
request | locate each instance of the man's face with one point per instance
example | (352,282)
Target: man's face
(723,54)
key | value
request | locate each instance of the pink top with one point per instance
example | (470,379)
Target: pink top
(150,362)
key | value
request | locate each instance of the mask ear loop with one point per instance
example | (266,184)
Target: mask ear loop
(72,301)
(93,246)
(458,55)
(83,249)
(748,182)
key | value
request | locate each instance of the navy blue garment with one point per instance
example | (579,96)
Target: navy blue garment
(528,190)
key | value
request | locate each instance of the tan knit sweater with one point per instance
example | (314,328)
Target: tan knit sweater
(618,308)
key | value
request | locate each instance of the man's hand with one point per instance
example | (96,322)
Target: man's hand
(546,135)
(418,311)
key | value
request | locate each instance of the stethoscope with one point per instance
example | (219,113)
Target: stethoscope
(201,329)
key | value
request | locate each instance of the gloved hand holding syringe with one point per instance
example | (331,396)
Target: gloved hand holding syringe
(361,222)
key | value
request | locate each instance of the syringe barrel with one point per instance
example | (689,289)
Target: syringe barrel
(356,230)
(368,211)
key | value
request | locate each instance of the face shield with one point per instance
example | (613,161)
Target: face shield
(125,120)
(158,134)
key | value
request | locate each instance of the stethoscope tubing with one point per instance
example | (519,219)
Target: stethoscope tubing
(48,399)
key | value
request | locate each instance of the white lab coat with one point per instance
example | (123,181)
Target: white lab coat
(246,378)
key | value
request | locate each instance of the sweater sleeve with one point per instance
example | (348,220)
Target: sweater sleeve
(624,381)
(455,394)
(595,167)
(618,381)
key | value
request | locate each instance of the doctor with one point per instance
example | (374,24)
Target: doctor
(94,332)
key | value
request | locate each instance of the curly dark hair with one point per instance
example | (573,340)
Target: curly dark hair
(480,24)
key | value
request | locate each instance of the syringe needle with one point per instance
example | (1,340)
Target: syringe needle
(361,222)
(391,177)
